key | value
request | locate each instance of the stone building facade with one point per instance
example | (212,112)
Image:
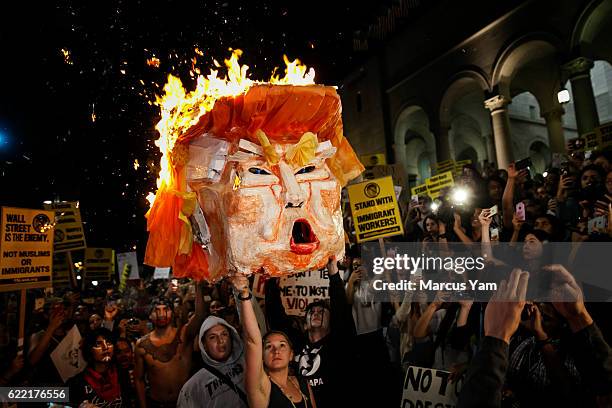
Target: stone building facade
(480,80)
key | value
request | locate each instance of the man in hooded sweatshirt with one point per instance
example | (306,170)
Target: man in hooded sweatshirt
(221,382)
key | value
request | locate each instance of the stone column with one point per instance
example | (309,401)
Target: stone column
(554,124)
(490,144)
(443,151)
(579,71)
(500,122)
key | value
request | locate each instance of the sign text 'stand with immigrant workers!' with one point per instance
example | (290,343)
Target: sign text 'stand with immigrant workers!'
(26,248)
(374,209)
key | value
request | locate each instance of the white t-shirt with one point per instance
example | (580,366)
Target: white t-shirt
(367,314)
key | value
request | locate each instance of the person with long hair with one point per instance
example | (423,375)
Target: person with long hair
(99,384)
(268,380)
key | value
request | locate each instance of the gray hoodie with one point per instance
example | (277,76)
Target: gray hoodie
(204,389)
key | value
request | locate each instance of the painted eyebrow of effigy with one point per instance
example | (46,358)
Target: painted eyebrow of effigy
(324,150)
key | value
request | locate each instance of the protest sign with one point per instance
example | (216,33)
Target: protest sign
(426,387)
(381,171)
(129,261)
(436,183)
(420,190)
(161,273)
(69,234)
(374,209)
(443,166)
(259,285)
(301,289)
(26,248)
(62,269)
(99,264)
(67,356)
(369,160)
(458,169)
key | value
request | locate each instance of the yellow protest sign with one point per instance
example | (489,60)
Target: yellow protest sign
(420,190)
(26,248)
(443,166)
(62,269)
(69,234)
(392,170)
(374,209)
(99,264)
(445,163)
(437,183)
(378,159)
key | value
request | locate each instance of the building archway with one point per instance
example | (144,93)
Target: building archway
(529,73)
(466,135)
(462,111)
(413,141)
(593,30)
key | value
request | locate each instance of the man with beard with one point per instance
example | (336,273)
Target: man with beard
(164,355)
(322,357)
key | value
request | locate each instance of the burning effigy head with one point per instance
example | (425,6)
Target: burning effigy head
(253,183)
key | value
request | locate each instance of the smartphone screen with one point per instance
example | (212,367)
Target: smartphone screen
(493,210)
(520,211)
(494,233)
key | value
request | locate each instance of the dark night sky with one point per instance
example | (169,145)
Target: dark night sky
(49,145)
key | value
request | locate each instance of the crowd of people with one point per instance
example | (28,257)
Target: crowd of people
(167,343)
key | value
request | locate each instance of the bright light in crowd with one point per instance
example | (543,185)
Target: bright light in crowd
(47,202)
(435,206)
(95,283)
(545,174)
(563,96)
(78,277)
(460,195)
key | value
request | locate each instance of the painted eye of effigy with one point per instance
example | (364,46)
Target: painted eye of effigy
(257,170)
(307,169)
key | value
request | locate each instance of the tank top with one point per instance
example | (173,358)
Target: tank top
(279,400)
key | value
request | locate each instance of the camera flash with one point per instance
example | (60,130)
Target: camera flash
(460,195)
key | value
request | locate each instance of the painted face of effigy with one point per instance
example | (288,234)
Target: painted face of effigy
(276,218)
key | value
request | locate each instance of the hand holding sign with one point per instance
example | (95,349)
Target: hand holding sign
(503,313)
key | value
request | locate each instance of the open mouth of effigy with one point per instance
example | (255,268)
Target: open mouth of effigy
(303,239)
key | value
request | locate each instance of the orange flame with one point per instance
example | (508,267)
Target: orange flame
(153,62)
(181,110)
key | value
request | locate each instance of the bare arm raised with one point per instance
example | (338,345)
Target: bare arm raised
(257,383)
